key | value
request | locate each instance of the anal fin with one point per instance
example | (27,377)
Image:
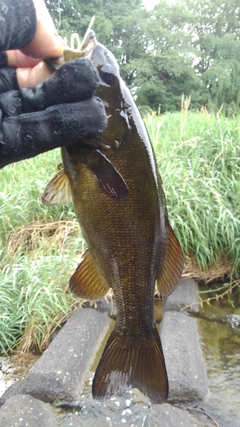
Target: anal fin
(87,282)
(171,270)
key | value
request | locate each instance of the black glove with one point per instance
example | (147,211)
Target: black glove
(50,115)
(8,79)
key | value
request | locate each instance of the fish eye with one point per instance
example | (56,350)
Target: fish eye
(107,75)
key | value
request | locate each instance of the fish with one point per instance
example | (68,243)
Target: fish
(118,198)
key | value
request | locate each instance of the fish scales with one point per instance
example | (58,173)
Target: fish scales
(119,202)
(125,248)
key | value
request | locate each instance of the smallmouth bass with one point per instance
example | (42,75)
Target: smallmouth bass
(118,199)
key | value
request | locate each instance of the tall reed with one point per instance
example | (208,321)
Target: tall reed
(199,160)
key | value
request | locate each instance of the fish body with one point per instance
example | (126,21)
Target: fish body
(119,202)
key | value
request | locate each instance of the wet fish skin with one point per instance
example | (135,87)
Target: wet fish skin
(120,205)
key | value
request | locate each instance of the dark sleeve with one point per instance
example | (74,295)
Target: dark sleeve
(17,23)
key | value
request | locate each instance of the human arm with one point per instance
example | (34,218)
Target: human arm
(27,35)
(66,119)
(35,120)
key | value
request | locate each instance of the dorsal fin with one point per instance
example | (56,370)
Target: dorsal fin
(58,191)
(170,272)
(88,282)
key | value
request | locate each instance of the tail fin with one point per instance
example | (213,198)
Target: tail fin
(129,362)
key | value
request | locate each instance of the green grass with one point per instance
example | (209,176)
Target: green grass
(33,300)
(199,160)
(21,187)
(38,255)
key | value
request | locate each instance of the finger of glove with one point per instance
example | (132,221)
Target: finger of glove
(8,79)
(27,135)
(74,81)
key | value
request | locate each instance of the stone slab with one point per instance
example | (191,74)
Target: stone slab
(166,415)
(105,305)
(60,373)
(24,410)
(185,295)
(183,356)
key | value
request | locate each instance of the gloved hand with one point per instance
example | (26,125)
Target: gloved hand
(34,120)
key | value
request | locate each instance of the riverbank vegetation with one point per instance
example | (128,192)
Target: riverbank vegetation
(199,159)
(180,46)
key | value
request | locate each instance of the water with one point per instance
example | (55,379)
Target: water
(131,409)
(221,350)
(4,369)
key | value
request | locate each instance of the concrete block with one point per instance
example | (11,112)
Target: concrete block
(24,410)
(184,359)
(166,415)
(60,373)
(184,295)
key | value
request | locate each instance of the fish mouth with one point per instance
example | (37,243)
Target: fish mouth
(99,55)
(85,50)
(88,44)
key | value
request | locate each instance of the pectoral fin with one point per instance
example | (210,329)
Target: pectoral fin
(170,272)
(58,191)
(107,176)
(87,282)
